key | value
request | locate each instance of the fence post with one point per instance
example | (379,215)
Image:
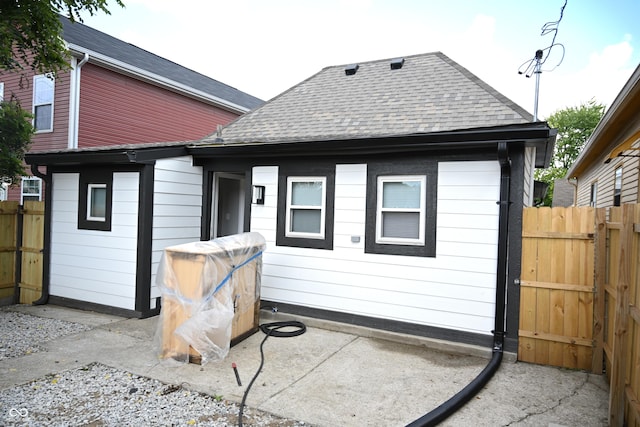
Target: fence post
(19,236)
(621,318)
(600,279)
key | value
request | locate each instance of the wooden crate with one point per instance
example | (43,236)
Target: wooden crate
(193,271)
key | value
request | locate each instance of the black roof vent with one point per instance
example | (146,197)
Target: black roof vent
(397,63)
(350,70)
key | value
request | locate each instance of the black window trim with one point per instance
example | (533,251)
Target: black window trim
(94,177)
(319,170)
(428,168)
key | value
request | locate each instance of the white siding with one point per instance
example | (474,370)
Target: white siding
(177,209)
(454,290)
(89,265)
(529,168)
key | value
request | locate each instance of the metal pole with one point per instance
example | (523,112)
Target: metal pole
(537,71)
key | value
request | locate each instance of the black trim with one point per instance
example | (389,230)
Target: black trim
(94,176)
(428,167)
(145,239)
(207,205)
(537,134)
(285,171)
(98,308)
(384,324)
(516,192)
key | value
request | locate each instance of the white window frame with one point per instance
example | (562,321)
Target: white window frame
(1,91)
(22,188)
(593,194)
(289,208)
(36,103)
(617,186)
(421,210)
(90,189)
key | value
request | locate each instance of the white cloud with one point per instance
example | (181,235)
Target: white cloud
(601,79)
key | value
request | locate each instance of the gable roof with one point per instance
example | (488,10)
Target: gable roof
(124,57)
(428,93)
(608,138)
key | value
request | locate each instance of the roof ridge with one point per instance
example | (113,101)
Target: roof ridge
(487,87)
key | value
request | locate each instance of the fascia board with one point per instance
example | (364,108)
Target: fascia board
(139,73)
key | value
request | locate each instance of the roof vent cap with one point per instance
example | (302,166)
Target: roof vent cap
(350,70)
(397,63)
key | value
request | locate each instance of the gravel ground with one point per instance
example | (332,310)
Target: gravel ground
(99,395)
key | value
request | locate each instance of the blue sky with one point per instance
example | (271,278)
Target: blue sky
(265,47)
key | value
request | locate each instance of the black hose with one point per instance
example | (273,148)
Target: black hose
(458,400)
(271,330)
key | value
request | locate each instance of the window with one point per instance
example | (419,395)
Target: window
(4,191)
(617,187)
(401,208)
(31,189)
(1,91)
(594,195)
(305,206)
(43,88)
(94,200)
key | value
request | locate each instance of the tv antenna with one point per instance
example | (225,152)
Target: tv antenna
(534,66)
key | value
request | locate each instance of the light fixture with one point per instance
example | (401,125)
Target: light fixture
(257,198)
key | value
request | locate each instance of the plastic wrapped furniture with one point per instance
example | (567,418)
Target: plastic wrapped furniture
(210,296)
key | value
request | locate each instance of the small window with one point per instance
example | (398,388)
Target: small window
(1,91)
(401,210)
(94,200)
(31,189)
(617,187)
(43,89)
(593,200)
(4,191)
(306,207)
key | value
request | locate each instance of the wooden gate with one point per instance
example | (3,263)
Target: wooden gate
(21,246)
(557,288)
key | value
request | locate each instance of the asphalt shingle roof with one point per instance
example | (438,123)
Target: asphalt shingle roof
(430,93)
(92,39)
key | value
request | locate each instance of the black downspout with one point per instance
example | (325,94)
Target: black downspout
(463,396)
(46,252)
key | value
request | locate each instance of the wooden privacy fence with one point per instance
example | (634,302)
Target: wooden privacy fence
(21,245)
(621,299)
(579,297)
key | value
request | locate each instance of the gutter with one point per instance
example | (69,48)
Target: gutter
(139,73)
(443,411)
(46,251)
(74,107)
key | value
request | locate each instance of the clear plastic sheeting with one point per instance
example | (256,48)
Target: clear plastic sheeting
(210,295)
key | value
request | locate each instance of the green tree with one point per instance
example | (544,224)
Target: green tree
(32,27)
(575,125)
(15,137)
